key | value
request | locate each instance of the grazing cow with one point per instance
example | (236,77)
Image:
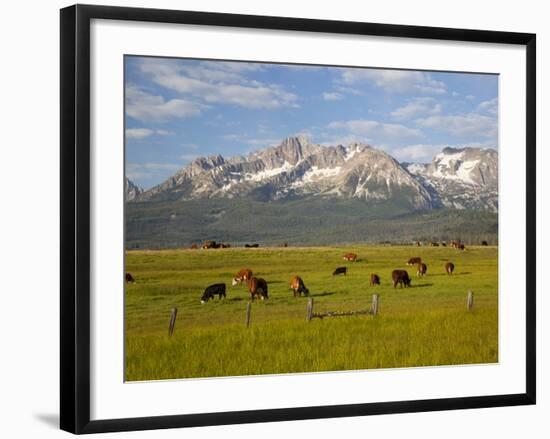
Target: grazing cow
(449,267)
(194,246)
(418,243)
(455,243)
(244,274)
(257,288)
(285,244)
(222,245)
(484,243)
(422,268)
(443,244)
(129,278)
(461,247)
(211,291)
(351,257)
(251,245)
(298,287)
(414,261)
(340,270)
(400,277)
(209,244)
(434,244)
(374,279)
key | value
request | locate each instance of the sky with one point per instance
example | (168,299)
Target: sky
(179,109)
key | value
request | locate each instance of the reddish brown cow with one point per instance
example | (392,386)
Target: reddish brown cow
(422,268)
(449,268)
(414,261)
(374,279)
(298,287)
(351,257)
(243,275)
(257,288)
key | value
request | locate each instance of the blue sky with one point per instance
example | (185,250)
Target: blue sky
(178,109)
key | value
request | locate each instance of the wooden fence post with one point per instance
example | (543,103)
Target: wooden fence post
(248,307)
(470,302)
(374,304)
(309,309)
(172,321)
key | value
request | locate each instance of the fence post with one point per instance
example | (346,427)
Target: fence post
(248,307)
(374,309)
(470,302)
(309,309)
(172,321)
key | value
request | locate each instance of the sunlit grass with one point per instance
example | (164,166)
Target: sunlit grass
(427,324)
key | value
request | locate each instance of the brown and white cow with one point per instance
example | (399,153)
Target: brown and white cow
(243,275)
(298,287)
(449,268)
(351,257)
(257,287)
(414,261)
(422,268)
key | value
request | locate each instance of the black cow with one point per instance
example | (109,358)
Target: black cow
(374,279)
(211,291)
(252,245)
(129,278)
(340,270)
(400,277)
(484,243)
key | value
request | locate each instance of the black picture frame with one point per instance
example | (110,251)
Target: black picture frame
(75,217)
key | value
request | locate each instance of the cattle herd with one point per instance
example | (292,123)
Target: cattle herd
(258,288)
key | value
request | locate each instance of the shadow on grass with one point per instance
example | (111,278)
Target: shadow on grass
(421,285)
(322,294)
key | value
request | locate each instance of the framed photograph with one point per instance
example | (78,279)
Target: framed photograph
(274,218)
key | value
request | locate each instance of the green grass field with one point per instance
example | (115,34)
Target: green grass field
(424,325)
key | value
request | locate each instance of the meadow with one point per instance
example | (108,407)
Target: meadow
(424,325)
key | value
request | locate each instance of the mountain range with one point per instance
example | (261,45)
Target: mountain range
(297,169)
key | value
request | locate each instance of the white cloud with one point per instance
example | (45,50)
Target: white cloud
(332,96)
(218,83)
(398,81)
(138,133)
(417,153)
(417,107)
(490,107)
(141,133)
(349,90)
(378,132)
(146,107)
(462,125)
(470,97)
(254,141)
(165,133)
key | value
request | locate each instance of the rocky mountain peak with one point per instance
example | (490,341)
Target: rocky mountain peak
(298,168)
(132,190)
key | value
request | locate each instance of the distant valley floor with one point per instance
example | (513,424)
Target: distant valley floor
(316,222)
